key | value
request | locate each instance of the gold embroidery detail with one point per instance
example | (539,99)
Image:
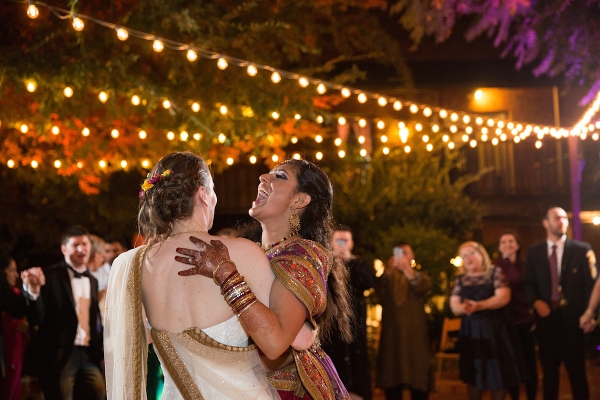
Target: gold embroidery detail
(199,336)
(134,285)
(175,366)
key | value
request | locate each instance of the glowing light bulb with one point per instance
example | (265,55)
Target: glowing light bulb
(386,150)
(338,142)
(183,136)
(297,156)
(435,128)
(297,117)
(32,11)
(145,163)
(363,152)
(362,98)
(425,138)
(318,138)
(466,119)
(24,128)
(122,34)
(321,89)
(222,138)
(166,104)
(68,92)
(85,132)
(158,46)
(78,24)
(473,143)
(31,85)
(446,138)
(362,122)
(229,161)
(195,107)
(197,136)
(397,105)
(427,112)
(294,139)
(251,70)
(407,149)
(34,164)
(170,135)
(346,93)
(275,158)
(253,159)
(478,94)
(495,141)
(57,164)
(114,133)
(414,108)
(429,147)
(418,127)
(222,63)
(142,134)
(123,164)
(361,139)
(10,163)
(319,119)
(103,96)
(342,121)
(451,145)
(382,101)
(384,139)
(443,113)
(55,130)
(135,100)
(275,115)
(102,164)
(191,55)
(319,155)
(223,110)
(465,138)
(303,82)
(341,154)
(380,124)
(275,77)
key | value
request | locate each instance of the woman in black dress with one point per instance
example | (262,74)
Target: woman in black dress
(488,360)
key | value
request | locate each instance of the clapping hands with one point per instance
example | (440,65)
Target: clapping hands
(34,278)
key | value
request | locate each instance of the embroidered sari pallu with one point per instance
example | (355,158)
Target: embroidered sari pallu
(303,266)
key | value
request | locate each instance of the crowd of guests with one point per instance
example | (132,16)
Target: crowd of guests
(507,306)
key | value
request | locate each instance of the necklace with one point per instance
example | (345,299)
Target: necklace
(270,246)
(181,233)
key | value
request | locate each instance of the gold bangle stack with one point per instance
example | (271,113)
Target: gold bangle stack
(237,293)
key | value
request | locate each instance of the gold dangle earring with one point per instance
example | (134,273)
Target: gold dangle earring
(294,221)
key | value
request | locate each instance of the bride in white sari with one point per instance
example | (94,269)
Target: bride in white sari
(200,342)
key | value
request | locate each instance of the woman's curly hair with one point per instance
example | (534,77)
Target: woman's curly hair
(172,197)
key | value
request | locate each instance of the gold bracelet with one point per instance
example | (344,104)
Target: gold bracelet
(588,312)
(219,266)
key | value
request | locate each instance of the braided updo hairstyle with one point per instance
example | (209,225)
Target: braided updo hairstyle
(316,225)
(172,196)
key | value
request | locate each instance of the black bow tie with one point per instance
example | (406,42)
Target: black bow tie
(77,274)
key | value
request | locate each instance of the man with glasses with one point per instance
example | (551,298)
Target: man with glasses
(559,277)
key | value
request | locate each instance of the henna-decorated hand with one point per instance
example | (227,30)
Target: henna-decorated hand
(205,259)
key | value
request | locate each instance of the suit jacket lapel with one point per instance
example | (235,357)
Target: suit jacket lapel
(66,281)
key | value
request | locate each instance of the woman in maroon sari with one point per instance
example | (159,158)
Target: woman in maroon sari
(293,208)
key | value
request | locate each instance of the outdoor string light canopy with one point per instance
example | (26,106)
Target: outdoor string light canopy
(462,124)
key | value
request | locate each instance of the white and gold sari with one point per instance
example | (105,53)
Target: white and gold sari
(214,363)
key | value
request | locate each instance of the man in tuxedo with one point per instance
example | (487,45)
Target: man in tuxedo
(559,277)
(70,337)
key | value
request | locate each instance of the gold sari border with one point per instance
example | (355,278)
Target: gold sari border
(134,285)
(199,336)
(174,365)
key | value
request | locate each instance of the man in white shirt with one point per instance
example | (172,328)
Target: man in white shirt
(69,342)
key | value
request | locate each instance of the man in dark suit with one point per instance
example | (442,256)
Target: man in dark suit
(559,277)
(70,339)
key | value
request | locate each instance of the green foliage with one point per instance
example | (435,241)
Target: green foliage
(414,197)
